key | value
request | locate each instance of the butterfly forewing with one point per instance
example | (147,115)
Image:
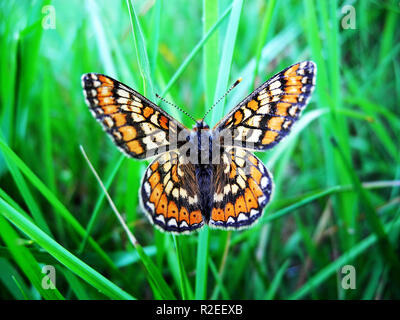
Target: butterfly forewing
(136,125)
(266,116)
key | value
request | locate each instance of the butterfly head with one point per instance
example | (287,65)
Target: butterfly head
(200,124)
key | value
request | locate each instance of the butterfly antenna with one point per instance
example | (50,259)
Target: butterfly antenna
(174,105)
(223,96)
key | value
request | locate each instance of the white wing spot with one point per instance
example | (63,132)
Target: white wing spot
(172,222)
(218,197)
(276,92)
(183,192)
(184,224)
(275,85)
(122,100)
(108,122)
(160,218)
(253,212)
(96,83)
(235,188)
(264,182)
(193,200)
(123,93)
(147,187)
(175,193)
(150,205)
(137,117)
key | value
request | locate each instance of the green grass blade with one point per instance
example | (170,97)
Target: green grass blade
(155,278)
(23,257)
(98,204)
(195,50)
(141,52)
(265,27)
(182,273)
(277,281)
(201,264)
(224,70)
(62,255)
(28,197)
(333,267)
(14,284)
(155,275)
(373,220)
(53,200)
(210,50)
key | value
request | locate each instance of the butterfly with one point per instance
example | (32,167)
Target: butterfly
(202,176)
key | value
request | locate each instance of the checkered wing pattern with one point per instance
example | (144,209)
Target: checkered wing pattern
(170,194)
(137,126)
(180,195)
(242,188)
(266,116)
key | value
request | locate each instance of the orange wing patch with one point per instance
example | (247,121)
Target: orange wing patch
(195,217)
(229,211)
(147,112)
(275,123)
(217,214)
(128,133)
(253,105)
(104,91)
(289,98)
(135,147)
(238,117)
(184,215)
(154,179)
(164,122)
(106,80)
(240,206)
(255,174)
(172,210)
(119,119)
(110,109)
(269,137)
(162,206)
(250,200)
(291,71)
(281,108)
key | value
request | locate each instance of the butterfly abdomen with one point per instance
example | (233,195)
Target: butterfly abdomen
(204,180)
(204,172)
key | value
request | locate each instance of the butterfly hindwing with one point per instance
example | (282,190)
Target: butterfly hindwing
(136,125)
(170,194)
(266,116)
(242,188)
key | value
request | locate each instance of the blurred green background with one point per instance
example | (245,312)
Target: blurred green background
(337,175)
